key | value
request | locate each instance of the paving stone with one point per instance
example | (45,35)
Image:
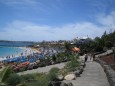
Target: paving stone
(93,75)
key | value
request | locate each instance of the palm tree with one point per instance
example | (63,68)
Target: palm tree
(4,75)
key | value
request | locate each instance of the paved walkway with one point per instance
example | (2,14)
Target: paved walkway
(93,75)
(43,69)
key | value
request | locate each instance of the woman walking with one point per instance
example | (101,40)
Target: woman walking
(86,57)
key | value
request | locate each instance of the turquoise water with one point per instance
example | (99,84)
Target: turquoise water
(5,51)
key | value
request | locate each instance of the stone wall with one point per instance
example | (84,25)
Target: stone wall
(109,72)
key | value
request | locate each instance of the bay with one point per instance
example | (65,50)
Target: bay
(6,51)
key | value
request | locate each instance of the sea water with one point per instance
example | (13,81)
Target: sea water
(8,51)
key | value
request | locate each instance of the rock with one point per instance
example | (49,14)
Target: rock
(51,83)
(70,77)
(63,84)
(77,73)
(57,83)
(82,64)
(109,72)
(38,61)
(60,77)
(69,84)
(81,67)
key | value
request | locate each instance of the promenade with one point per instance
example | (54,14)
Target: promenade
(42,69)
(93,75)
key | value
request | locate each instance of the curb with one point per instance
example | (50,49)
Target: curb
(110,73)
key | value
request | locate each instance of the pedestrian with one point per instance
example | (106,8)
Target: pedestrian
(93,57)
(86,57)
(90,58)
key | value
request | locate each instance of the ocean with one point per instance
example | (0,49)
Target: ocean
(6,51)
(12,48)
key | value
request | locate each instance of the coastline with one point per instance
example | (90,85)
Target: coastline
(35,49)
(24,51)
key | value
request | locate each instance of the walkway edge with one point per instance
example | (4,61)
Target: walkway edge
(110,73)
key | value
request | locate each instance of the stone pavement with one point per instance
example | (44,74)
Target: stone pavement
(43,69)
(93,75)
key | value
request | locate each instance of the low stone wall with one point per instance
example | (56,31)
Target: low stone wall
(99,54)
(109,72)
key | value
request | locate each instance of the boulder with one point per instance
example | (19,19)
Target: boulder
(60,77)
(69,84)
(57,83)
(63,84)
(77,73)
(83,64)
(70,77)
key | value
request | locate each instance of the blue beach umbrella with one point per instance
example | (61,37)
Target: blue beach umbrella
(31,60)
(14,59)
(22,60)
(9,60)
(6,60)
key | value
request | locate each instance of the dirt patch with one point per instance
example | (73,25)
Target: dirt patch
(109,60)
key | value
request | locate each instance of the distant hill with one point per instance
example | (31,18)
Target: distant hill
(16,43)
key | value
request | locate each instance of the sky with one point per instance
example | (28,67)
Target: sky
(37,20)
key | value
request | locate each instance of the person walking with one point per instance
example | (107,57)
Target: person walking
(93,57)
(90,58)
(86,57)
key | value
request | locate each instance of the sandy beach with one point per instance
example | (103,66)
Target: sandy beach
(25,51)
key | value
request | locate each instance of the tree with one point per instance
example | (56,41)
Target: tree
(104,34)
(108,44)
(67,46)
(4,74)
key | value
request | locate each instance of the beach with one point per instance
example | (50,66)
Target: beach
(25,51)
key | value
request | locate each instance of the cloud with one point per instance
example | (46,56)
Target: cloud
(22,30)
(107,20)
(101,5)
(20,2)
(19,30)
(35,5)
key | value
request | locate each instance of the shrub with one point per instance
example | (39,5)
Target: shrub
(73,63)
(108,44)
(27,77)
(40,76)
(4,74)
(98,48)
(13,79)
(21,85)
(41,82)
(53,73)
(63,71)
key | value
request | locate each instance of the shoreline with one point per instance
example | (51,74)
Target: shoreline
(35,49)
(24,51)
(12,55)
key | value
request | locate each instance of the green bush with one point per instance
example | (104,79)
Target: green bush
(27,77)
(108,44)
(98,48)
(53,73)
(13,79)
(71,66)
(4,74)
(73,63)
(42,82)
(40,76)
(21,85)
(63,72)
